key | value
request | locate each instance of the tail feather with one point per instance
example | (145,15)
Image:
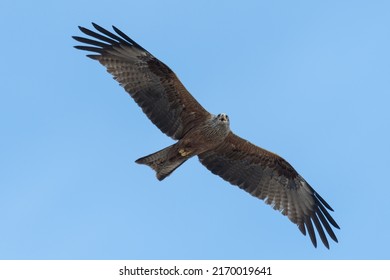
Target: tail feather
(162,162)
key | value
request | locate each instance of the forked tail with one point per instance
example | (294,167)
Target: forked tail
(164,162)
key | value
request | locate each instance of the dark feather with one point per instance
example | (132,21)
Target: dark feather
(269,177)
(91,42)
(151,83)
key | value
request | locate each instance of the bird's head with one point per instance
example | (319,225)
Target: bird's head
(223,120)
(220,124)
(223,117)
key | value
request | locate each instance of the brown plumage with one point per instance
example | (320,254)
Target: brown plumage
(168,104)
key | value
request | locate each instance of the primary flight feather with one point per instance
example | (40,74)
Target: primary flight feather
(168,104)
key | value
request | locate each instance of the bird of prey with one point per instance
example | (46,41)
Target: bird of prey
(168,104)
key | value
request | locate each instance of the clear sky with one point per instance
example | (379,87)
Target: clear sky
(308,80)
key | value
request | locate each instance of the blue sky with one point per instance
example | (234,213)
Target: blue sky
(308,80)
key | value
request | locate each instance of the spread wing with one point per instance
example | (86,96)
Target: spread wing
(151,83)
(269,177)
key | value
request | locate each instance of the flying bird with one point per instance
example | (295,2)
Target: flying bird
(168,104)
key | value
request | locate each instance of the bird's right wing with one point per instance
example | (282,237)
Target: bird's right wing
(152,84)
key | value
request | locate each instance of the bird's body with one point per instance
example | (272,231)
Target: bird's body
(167,103)
(196,141)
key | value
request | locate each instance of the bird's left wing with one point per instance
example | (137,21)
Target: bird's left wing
(152,84)
(269,177)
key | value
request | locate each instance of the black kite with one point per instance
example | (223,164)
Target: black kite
(167,103)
